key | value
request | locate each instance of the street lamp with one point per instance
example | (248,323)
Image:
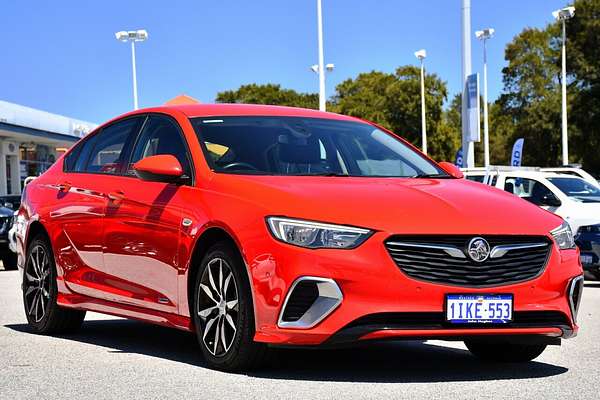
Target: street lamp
(484,35)
(563,15)
(321,68)
(421,55)
(133,36)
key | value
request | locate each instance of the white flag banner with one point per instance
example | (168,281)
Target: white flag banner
(517,153)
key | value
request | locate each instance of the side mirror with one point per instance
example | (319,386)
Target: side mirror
(550,200)
(161,168)
(451,169)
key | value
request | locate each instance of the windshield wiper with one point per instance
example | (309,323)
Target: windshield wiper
(436,176)
(327,173)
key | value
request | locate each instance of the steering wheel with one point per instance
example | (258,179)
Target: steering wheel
(242,165)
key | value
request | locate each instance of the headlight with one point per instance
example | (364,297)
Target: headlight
(316,235)
(563,237)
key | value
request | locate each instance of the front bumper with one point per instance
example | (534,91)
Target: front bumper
(373,286)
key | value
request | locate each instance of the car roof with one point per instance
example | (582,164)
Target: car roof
(224,110)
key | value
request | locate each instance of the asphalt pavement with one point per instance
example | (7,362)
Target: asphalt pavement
(112,358)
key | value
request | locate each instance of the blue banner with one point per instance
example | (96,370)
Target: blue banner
(517,153)
(458,160)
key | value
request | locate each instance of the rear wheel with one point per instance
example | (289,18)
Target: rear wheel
(40,291)
(9,261)
(505,352)
(223,312)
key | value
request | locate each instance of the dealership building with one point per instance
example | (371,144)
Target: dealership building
(31,140)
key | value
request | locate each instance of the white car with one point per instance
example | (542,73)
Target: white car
(573,198)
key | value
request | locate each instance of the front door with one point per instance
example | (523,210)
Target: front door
(143,223)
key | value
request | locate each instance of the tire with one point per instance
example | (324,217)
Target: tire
(505,352)
(9,261)
(222,301)
(44,316)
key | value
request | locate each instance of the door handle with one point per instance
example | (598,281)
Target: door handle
(64,186)
(116,196)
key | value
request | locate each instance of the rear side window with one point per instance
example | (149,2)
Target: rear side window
(82,154)
(71,157)
(109,152)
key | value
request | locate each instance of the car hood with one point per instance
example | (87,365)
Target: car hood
(6,212)
(395,205)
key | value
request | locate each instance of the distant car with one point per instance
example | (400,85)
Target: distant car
(573,198)
(12,201)
(8,257)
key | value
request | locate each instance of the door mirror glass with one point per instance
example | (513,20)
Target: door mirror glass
(452,170)
(161,168)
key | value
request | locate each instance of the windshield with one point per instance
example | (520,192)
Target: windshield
(307,146)
(578,189)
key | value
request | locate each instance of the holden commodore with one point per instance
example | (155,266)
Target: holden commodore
(262,226)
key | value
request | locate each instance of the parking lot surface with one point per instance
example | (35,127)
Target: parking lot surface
(114,358)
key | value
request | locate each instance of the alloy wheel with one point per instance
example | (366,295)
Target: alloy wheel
(37,283)
(217,307)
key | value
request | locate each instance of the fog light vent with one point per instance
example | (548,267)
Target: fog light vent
(309,301)
(575,292)
(303,296)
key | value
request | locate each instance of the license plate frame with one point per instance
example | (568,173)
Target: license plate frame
(486,298)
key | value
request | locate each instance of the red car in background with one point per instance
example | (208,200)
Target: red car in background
(262,226)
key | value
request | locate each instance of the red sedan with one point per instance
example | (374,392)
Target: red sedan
(261,226)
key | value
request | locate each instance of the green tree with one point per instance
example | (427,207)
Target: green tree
(531,97)
(394,102)
(268,94)
(583,61)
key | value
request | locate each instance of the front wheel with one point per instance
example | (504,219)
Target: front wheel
(223,312)
(40,291)
(505,352)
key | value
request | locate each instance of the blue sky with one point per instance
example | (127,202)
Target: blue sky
(61,56)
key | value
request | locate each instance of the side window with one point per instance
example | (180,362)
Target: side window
(528,189)
(109,153)
(71,157)
(160,135)
(83,154)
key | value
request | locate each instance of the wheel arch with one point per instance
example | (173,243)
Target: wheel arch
(205,241)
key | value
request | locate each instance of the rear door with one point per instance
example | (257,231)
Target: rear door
(143,222)
(80,207)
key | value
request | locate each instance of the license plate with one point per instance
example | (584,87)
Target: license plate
(586,259)
(479,309)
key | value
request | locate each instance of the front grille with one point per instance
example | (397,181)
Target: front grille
(413,256)
(303,296)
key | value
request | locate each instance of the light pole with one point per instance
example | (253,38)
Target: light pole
(133,36)
(321,67)
(328,68)
(421,55)
(467,145)
(484,35)
(563,15)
